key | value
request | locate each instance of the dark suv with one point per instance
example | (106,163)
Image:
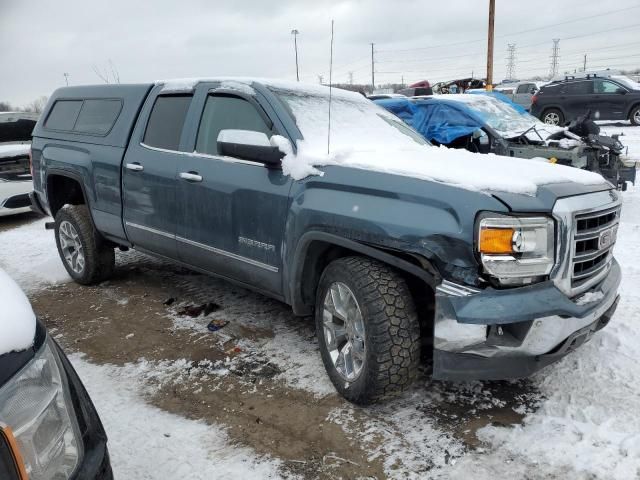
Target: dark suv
(607,98)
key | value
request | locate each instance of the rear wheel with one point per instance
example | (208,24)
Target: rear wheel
(634,117)
(367,329)
(553,116)
(84,254)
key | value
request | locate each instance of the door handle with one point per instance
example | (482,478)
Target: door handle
(135,166)
(190,176)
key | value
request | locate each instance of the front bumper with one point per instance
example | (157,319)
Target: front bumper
(506,334)
(14,197)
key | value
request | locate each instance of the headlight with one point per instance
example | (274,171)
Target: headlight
(516,250)
(35,405)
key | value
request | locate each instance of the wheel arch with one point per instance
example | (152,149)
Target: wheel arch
(65,187)
(315,250)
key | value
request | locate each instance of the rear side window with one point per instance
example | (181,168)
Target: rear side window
(577,88)
(166,121)
(526,88)
(98,116)
(221,113)
(63,115)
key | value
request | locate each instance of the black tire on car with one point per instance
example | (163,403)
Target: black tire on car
(634,116)
(553,116)
(84,254)
(384,347)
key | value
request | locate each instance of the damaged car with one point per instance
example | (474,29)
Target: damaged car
(485,123)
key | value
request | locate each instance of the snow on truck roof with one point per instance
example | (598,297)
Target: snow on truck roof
(17,322)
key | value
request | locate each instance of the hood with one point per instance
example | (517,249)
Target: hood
(459,168)
(17,320)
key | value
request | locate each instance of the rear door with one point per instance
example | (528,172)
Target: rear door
(149,175)
(232,212)
(608,99)
(577,98)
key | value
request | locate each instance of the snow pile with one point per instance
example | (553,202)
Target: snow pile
(167,447)
(17,321)
(30,256)
(589,297)
(13,150)
(367,137)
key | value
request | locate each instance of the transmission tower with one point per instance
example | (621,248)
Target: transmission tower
(511,61)
(320,78)
(555,57)
(350,78)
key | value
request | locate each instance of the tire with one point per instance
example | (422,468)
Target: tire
(388,342)
(634,116)
(552,115)
(84,254)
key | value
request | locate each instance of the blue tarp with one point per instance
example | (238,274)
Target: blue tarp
(437,120)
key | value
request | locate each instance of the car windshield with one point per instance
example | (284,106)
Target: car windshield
(356,123)
(626,81)
(499,115)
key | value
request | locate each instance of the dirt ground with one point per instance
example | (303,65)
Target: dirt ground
(229,377)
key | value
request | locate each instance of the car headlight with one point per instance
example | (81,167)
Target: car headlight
(36,410)
(516,250)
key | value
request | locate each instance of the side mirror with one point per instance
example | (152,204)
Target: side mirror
(621,91)
(533,90)
(249,145)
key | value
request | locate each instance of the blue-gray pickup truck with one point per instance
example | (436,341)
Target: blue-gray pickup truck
(475,278)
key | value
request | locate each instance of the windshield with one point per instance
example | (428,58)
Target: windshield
(499,115)
(626,81)
(356,123)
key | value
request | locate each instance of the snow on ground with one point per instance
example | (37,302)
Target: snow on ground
(147,443)
(630,137)
(29,256)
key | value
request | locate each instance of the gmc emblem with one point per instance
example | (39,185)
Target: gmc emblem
(606,238)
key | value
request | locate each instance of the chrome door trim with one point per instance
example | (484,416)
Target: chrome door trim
(240,258)
(208,248)
(150,230)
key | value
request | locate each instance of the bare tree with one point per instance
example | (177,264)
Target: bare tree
(109,71)
(37,105)
(5,107)
(103,76)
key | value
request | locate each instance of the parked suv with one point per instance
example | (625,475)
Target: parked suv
(492,267)
(49,428)
(607,98)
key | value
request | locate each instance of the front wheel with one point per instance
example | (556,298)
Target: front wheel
(553,116)
(367,329)
(83,252)
(634,116)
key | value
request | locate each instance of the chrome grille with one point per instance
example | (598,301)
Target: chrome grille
(593,240)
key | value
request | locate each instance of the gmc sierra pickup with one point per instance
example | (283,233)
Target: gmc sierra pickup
(458,263)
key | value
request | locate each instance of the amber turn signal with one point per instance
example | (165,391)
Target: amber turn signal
(10,458)
(496,240)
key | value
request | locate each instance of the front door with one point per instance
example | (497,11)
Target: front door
(232,212)
(608,99)
(149,177)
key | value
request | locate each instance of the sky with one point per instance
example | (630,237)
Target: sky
(139,41)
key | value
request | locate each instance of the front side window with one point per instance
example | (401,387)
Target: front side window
(223,113)
(605,86)
(164,128)
(526,88)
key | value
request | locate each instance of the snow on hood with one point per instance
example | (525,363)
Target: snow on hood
(13,149)
(366,136)
(17,320)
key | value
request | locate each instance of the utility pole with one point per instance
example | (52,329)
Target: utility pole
(511,61)
(373,75)
(555,56)
(584,66)
(492,14)
(350,78)
(66,78)
(295,34)
(320,77)
(402,80)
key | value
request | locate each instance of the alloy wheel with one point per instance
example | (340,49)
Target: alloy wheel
(343,329)
(552,118)
(71,247)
